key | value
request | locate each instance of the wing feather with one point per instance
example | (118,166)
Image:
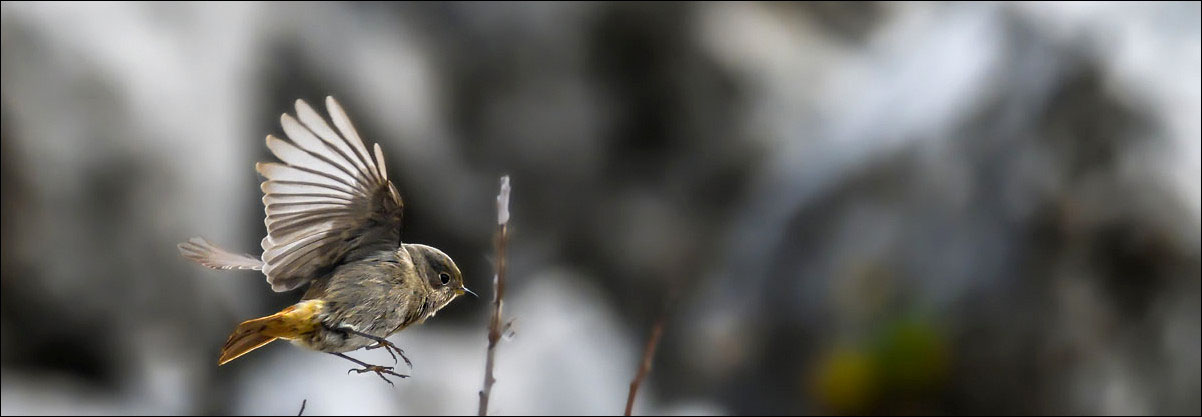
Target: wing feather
(318,125)
(329,199)
(291,199)
(284,209)
(380,162)
(332,152)
(348,130)
(291,246)
(297,157)
(294,187)
(280,172)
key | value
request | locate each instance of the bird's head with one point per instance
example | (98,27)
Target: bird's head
(439,272)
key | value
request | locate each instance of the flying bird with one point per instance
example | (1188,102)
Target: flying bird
(334,222)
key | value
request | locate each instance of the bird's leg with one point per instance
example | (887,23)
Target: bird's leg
(380,343)
(379,370)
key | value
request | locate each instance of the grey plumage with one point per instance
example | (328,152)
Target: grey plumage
(333,220)
(392,285)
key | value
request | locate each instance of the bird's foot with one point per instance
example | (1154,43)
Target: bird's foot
(393,350)
(380,371)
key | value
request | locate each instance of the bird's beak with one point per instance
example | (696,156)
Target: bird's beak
(462,290)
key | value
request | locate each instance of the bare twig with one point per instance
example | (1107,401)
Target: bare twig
(302,410)
(494,325)
(649,350)
(645,366)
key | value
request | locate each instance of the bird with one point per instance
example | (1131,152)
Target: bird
(334,222)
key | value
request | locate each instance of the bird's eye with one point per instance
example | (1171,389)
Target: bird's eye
(445,278)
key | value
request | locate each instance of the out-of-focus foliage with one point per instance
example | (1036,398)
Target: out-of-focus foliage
(885,208)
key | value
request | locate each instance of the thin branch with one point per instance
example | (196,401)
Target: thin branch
(645,366)
(302,410)
(494,325)
(649,350)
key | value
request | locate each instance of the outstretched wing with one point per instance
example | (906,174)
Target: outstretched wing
(329,200)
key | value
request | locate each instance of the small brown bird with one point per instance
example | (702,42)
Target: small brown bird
(334,220)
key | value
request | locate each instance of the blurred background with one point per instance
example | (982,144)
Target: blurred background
(881,208)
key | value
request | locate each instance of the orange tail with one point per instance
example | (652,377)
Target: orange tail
(289,323)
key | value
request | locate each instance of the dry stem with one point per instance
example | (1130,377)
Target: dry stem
(649,350)
(494,325)
(645,366)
